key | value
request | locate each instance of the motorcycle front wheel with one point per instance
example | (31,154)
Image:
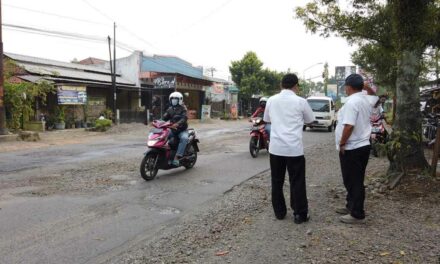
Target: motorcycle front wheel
(253,147)
(149,166)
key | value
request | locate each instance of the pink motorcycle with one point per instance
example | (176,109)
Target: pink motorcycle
(162,150)
(379,134)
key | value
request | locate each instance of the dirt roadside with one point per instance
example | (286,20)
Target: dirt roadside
(80,136)
(403,226)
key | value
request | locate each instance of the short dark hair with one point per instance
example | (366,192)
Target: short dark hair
(356,81)
(289,81)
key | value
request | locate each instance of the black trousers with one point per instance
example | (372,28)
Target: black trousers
(296,166)
(353,165)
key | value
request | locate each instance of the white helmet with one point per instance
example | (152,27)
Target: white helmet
(176,98)
(263,101)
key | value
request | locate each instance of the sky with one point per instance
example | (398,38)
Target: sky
(206,33)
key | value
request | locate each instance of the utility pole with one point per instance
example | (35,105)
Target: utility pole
(3,130)
(212,70)
(114,73)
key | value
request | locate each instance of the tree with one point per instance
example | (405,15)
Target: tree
(247,74)
(396,32)
(272,80)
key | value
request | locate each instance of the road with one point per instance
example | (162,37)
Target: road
(85,203)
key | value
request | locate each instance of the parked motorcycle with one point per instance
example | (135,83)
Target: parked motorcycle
(379,134)
(162,150)
(429,128)
(259,137)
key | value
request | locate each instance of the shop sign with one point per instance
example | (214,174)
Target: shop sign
(71,95)
(165,82)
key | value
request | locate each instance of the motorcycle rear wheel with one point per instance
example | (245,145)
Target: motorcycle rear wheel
(148,168)
(254,149)
(193,152)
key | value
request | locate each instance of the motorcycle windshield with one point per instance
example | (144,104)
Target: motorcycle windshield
(156,130)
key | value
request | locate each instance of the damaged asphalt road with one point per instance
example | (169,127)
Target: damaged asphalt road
(85,203)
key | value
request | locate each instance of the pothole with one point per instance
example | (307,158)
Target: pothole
(166,210)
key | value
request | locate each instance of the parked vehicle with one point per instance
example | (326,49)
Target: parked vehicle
(162,150)
(259,137)
(379,134)
(429,128)
(324,110)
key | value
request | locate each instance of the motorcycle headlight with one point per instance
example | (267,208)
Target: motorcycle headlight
(152,142)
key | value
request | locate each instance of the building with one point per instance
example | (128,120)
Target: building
(159,76)
(85,90)
(222,95)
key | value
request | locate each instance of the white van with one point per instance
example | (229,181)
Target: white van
(324,110)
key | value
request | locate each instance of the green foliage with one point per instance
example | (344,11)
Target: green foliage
(60,114)
(252,79)
(108,113)
(102,125)
(392,37)
(20,99)
(246,73)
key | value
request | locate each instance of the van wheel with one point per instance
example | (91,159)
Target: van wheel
(330,128)
(304,128)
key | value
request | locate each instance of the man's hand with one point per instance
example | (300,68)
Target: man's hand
(342,149)
(174,126)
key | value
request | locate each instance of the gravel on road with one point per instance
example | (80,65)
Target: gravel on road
(403,226)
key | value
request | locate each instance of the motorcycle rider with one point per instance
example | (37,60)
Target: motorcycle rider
(177,114)
(260,113)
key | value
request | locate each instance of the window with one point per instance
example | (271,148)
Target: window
(319,105)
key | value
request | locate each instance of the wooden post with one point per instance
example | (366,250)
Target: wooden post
(435,153)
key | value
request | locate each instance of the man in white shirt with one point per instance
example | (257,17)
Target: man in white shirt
(353,142)
(287,113)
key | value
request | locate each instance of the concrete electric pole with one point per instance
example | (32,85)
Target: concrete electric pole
(3,130)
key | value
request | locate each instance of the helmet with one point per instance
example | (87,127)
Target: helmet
(263,101)
(176,98)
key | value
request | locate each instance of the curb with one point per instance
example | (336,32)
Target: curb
(8,138)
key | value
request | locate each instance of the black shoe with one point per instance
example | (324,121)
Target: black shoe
(280,216)
(299,219)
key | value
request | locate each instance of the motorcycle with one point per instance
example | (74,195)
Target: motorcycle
(378,135)
(259,137)
(429,128)
(162,150)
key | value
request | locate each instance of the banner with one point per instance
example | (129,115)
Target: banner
(165,82)
(218,89)
(206,112)
(71,95)
(234,111)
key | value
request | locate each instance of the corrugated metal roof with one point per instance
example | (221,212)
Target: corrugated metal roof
(41,61)
(70,73)
(56,69)
(169,64)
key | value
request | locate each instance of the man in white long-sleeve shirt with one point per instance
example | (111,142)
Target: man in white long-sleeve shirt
(287,113)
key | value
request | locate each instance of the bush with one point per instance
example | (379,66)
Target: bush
(102,125)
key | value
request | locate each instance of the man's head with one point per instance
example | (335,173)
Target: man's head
(354,83)
(290,81)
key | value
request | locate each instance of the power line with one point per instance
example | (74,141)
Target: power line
(120,25)
(208,15)
(66,35)
(55,15)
